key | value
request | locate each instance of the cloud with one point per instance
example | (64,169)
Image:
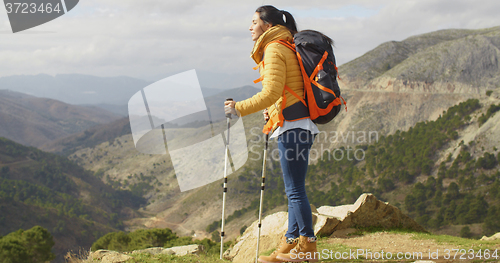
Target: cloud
(154,39)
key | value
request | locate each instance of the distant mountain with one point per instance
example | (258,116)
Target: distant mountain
(89,138)
(35,121)
(449,61)
(40,188)
(110,93)
(76,88)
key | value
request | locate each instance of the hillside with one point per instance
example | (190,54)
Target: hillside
(400,83)
(381,121)
(451,61)
(35,121)
(39,188)
(109,131)
(89,137)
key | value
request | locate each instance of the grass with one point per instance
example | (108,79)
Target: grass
(83,257)
(333,252)
(148,258)
(360,231)
(462,243)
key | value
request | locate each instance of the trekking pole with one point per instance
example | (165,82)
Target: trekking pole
(228,117)
(263,185)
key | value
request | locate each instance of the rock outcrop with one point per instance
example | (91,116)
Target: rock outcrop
(367,211)
(108,256)
(178,251)
(494,237)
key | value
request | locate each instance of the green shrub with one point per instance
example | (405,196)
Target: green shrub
(488,161)
(465,232)
(146,238)
(30,246)
(491,111)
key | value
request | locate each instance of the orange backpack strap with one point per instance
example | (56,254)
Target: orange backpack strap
(278,118)
(319,66)
(295,95)
(345,104)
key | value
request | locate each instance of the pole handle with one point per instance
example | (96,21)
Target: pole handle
(228,115)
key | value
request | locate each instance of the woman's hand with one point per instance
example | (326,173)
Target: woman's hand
(266,115)
(229,108)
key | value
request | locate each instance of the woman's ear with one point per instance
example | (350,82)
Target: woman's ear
(267,26)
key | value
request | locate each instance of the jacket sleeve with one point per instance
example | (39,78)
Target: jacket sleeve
(273,82)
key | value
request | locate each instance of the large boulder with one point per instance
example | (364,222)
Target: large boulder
(494,237)
(367,211)
(323,224)
(186,250)
(108,256)
(273,227)
(178,251)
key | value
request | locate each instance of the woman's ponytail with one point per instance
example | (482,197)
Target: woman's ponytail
(290,22)
(271,15)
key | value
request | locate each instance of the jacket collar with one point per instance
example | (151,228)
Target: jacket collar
(274,33)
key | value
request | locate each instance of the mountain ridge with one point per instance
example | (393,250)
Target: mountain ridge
(433,59)
(34,121)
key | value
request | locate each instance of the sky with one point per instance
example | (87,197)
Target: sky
(154,39)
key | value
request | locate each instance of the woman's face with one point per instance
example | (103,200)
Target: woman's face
(258,26)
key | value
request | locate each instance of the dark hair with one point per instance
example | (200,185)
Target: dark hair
(271,15)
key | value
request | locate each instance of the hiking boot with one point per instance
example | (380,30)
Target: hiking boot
(304,251)
(285,246)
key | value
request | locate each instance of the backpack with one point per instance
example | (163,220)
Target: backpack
(322,100)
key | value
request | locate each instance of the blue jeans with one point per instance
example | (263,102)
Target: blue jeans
(294,146)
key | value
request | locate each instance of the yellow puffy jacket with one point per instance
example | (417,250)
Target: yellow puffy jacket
(279,68)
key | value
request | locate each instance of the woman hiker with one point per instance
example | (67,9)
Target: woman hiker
(278,68)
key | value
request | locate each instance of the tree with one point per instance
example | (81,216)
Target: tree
(465,232)
(453,191)
(31,246)
(39,243)
(438,198)
(4,171)
(449,214)
(491,222)
(478,210)
(242,229)
(488,161)
(410,203)
(13,251)
(216,236)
